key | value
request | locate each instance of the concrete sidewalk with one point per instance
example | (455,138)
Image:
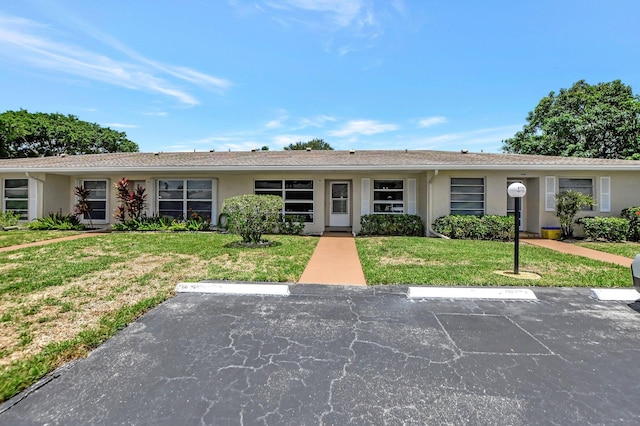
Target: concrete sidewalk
(578,251)
(334,261)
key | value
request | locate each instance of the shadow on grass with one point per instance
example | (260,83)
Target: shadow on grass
(261,244)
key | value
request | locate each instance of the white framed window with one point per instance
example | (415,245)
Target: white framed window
(179,198)
(467,196)
(16,197)
(297,195)
(388,196)
(97,200)
(583,185)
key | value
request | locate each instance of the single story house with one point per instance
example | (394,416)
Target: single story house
(331,189)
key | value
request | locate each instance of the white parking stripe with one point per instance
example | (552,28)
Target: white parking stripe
(471,293)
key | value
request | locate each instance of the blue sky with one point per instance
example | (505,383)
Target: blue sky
(361,74)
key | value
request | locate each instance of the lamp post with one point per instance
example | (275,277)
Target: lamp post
(517,190)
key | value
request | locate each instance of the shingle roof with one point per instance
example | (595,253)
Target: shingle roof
(307,160)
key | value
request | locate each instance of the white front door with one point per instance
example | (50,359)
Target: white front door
(340,206)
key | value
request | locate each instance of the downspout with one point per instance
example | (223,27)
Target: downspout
(430,207)
(33,177)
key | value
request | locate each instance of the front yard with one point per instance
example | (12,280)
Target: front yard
(59,301)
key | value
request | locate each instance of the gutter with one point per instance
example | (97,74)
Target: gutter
(430,208)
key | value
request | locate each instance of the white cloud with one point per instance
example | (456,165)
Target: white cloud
(364,127)
(431,121)
(122,126)
(336,20)
(317,121)
(30,43)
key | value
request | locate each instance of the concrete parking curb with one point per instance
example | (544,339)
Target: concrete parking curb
(615,294)
(234,288)
(470,293)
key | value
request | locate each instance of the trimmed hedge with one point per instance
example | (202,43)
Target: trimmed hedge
(632,214)
(406,225)
(468,227)
(614,229)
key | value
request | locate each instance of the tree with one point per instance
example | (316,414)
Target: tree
(568,203)
(317,144)
(601,121)
(24,134)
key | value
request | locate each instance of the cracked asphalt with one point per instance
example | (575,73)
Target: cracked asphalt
(328,355)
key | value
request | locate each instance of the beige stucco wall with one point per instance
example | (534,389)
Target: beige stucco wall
(432,191)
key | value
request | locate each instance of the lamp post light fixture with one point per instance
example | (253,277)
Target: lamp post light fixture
(517,190)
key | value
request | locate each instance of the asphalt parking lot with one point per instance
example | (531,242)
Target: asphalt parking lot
(328,355)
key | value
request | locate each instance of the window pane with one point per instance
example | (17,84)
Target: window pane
(16,183)
(199,184)
(203,208)
(16,205)
(298,184)
(171,208)
(298,207)
(299,195)
(268,184)
(339,190)
(467,181)
(388,195)
(467,196)
(278,193)
(339,206)
(170,189)
(388,184)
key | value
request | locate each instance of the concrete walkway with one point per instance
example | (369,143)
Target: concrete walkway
(334,261)
(578,251)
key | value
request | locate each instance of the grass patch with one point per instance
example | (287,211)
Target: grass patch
(430,261)
(627,249)
(59,301)
(14,238)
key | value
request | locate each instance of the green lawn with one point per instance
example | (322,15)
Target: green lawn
(59,301)
(16,237)
(626,249)
(402,260)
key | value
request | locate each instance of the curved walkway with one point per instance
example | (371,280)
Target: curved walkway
(578,251)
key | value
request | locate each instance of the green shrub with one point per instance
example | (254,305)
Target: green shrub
(568,203)
(195,222)
(292,225)
(250,216)
(632,214)
(469,227)
(57,222)
(391,224)
(613,229)
(9,219)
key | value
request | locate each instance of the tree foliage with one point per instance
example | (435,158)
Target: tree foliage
(601,121)
(317,144)
(250,216)
(24,134)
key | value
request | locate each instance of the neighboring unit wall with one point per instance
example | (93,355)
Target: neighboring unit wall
(56,195)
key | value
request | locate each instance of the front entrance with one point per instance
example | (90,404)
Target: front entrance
(339,204)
